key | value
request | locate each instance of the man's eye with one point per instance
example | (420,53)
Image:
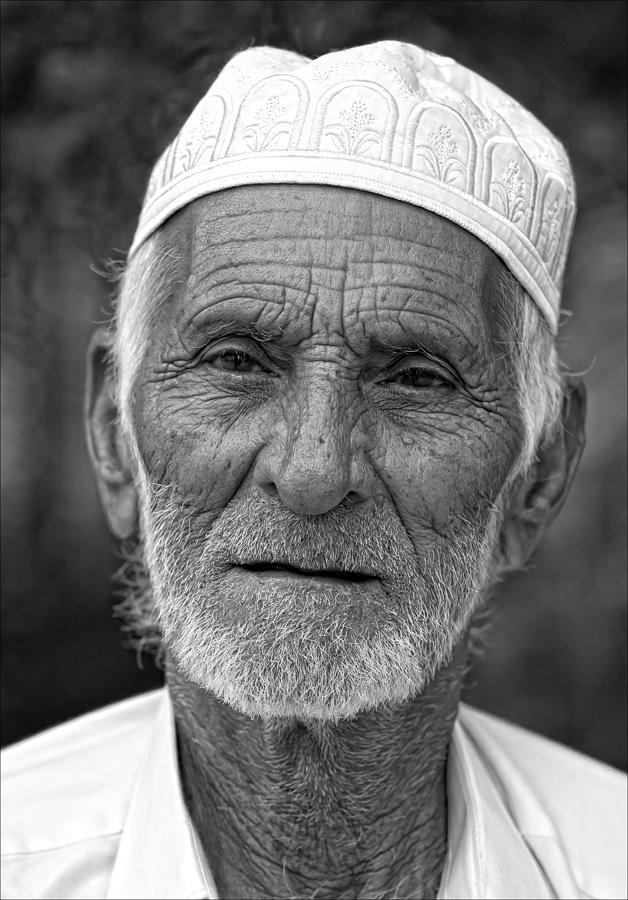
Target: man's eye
(420,378)
(235,361)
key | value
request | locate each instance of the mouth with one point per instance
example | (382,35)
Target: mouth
(286,570)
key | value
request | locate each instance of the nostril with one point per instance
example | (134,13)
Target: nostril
(270,488)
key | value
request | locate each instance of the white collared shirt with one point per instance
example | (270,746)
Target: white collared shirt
(94,808)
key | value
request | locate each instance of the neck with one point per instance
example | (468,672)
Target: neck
(287,808)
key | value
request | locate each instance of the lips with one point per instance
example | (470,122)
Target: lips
(282,568)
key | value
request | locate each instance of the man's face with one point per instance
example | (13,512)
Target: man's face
(325,423)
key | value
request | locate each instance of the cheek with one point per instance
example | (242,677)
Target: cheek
(453,471)
(205,449)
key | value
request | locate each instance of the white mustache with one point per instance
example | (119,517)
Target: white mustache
(366,540)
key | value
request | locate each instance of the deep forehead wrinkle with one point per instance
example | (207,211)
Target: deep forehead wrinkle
(283,243)
(338,252)
(212,261)
(278,288)
(257,234)
(287,282)
(427,258)
(363,243)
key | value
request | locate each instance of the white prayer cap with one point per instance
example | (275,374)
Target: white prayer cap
(388,118)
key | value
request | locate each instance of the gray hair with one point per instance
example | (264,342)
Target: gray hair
(530,347)
(144,285)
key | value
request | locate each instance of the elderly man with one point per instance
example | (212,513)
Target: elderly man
(331,416)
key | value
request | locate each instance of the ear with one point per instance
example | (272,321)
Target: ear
(108,449)
(538,499)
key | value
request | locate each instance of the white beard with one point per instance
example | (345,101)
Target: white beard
(277,648)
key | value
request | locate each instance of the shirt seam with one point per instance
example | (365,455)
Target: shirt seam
(97,837)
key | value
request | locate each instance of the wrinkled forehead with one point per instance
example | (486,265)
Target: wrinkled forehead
(280,242)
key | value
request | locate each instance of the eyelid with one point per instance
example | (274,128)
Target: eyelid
(226,344)
(436,368)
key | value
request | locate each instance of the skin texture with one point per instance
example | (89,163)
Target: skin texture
(356,809)
(326,347)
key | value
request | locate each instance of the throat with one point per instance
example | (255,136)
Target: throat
(287,808)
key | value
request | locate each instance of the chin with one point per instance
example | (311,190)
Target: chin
(337,710)
(278,647)
(275,675)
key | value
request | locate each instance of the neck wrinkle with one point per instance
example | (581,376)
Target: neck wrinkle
(286,808)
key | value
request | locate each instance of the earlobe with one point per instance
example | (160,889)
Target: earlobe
(540,495)
(108,449)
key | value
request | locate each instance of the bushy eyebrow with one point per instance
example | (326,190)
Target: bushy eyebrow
(224,326)
(422,332)
(404,345)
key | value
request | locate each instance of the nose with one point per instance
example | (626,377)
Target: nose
(309,464)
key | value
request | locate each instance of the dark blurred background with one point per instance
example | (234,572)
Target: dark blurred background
(91,93)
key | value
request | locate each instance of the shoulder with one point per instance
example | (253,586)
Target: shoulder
(66,790)
(555,770)
(585,800)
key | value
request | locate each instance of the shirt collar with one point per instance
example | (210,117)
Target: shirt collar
(487,856)
(160,856)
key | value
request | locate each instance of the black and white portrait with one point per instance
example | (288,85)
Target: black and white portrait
(313,449)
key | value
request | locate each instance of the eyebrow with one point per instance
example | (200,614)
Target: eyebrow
(437,346)
(425,331)
(214,325)
(404,345)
